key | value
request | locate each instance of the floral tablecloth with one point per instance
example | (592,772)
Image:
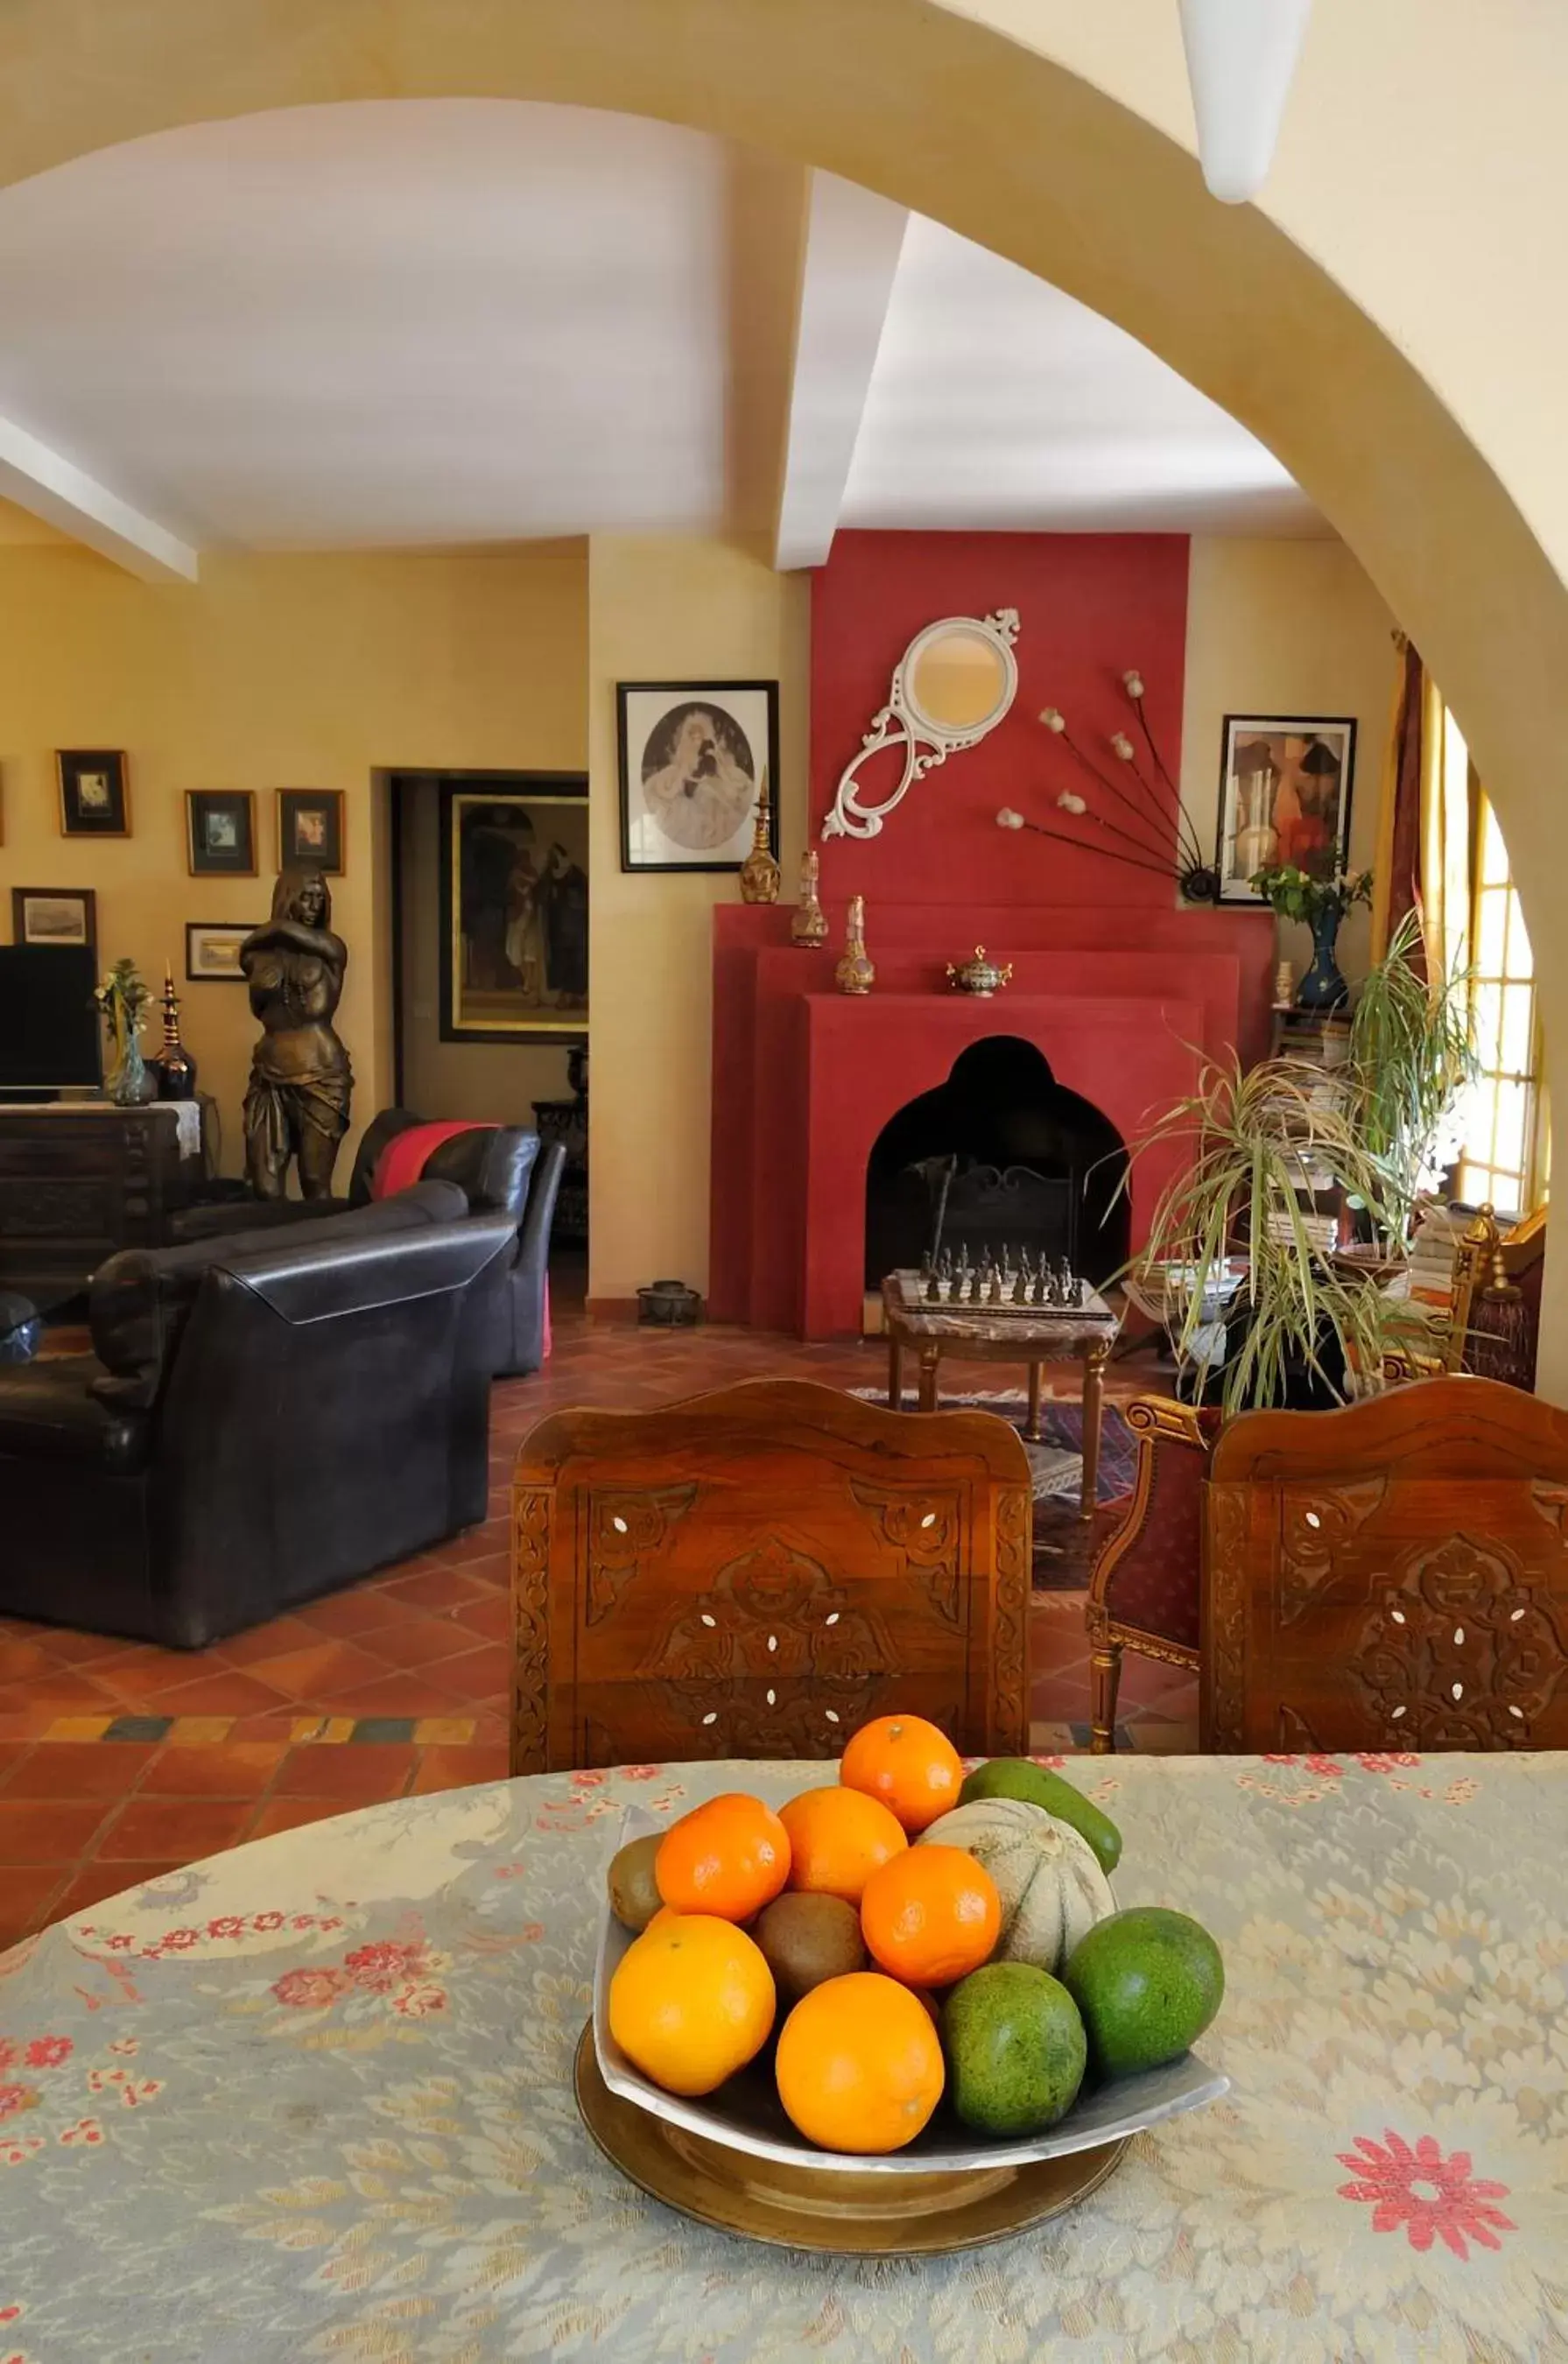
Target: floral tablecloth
(313,2100)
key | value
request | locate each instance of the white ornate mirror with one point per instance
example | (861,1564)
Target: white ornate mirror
(955,682)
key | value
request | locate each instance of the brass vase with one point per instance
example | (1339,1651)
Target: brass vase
(855,971)
(760,874)
(808,926)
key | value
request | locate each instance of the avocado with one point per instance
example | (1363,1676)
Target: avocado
(1016,2049)
(1148,1982)
(1019,1777)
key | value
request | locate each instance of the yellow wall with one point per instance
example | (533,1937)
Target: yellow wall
(1287,627)
(663,609)
(301,672)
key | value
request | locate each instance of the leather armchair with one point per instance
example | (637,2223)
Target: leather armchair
(258,1425)
(501,1169)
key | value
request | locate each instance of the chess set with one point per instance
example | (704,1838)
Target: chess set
(1011,1282)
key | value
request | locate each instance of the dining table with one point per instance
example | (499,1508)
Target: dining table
(313,2099)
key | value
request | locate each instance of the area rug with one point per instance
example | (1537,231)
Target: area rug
(1064,1545)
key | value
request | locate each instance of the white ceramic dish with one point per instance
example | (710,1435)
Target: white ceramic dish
(746,2113)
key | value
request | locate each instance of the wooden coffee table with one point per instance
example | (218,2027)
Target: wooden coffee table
(1031,1334)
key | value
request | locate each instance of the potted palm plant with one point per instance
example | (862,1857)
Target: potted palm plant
(1263,1151)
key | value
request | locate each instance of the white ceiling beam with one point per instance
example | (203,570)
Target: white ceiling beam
(853,244)
(55,489)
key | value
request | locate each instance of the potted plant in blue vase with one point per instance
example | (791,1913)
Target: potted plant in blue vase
(1319,904)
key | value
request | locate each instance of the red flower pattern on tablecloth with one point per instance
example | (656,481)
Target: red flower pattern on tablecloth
(14,2099)
(1430,2196)
(398,1969)
(227,1927)
(85,2130)
(48,2051)
(7,2056)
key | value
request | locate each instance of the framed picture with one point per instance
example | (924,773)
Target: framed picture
(1285,796)
(694,757)
(54,915)
(95,800)
(212,951)
(310,830)
(221,826)
(514,918)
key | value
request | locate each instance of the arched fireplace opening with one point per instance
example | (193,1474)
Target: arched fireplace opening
(1004,1155)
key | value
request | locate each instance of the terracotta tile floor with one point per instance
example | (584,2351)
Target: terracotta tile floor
(118,1760)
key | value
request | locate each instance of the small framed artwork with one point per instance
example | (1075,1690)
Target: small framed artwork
(211,952)
(1285,796)
(220,825)
(310,830)
(513,914)
(694,758)
(54,915)
(95,800)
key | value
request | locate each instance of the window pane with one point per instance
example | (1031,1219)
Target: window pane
(1487,1003)
(1494,853)
(1490,930)
(1508,1140)
(1519,1029)
(1522,961)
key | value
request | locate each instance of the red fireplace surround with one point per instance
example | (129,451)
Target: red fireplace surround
(805,1077)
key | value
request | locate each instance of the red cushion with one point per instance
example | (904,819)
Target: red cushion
(401,1162)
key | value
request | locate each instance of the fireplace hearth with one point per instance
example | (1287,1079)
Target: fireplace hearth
(1000,1154)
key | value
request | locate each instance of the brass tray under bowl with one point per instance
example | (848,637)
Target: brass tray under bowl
(839,2214)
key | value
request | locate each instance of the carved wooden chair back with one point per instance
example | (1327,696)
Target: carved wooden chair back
(1144,1586)
(755,1572)
(1390,1576)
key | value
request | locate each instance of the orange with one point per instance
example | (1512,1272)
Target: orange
(931,1915)
(908,1764)
(692,2001)
(859,2065)
(837,1839)
(729,1856)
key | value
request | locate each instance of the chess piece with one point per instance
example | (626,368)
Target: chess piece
(1078,1291)
(856,972)
(995,1291)
(760,874)
(965,1279)
(808,923)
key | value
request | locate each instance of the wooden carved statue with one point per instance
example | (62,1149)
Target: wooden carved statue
(297,1105)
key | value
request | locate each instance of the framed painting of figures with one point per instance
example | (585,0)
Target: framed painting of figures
(1285,796)
(513,889)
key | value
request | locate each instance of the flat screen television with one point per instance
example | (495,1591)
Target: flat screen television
(49,1028)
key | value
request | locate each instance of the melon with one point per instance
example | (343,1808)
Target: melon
(1048,1878)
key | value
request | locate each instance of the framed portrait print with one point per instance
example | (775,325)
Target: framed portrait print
(95,800)
(54,915)
(211,952)
(513,916)
(1285,796)
(694,758)
(310,830)
(221,827)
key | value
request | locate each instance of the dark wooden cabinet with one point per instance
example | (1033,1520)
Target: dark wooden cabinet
(79,1179)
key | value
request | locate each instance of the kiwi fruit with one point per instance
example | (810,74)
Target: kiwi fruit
(808,1938)
(634,1891)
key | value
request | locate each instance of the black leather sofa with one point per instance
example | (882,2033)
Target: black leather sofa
(263,1419)
(501,1169)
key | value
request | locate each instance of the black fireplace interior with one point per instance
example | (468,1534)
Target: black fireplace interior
(1002,1155)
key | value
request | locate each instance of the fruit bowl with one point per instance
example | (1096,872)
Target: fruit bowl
(745,2115)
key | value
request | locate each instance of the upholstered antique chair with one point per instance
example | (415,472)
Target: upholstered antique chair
(755,1572)
(1390,1576)
(1144,1585)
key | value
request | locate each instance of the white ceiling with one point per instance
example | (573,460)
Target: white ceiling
(448,321)
(997,401)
